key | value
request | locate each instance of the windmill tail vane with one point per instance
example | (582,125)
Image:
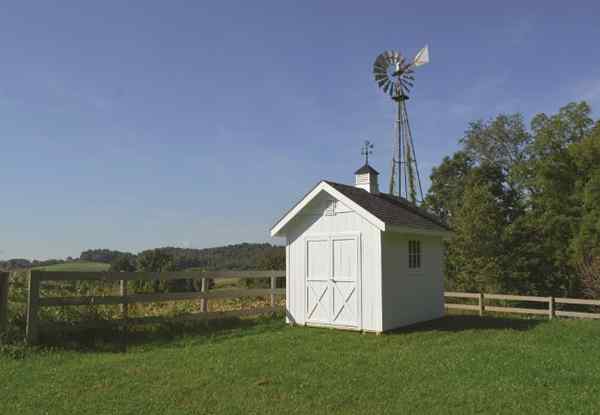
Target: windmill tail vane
(394,74)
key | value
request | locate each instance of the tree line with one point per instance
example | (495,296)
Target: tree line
(524,205)
(244,256)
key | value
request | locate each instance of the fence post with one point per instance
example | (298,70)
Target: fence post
(3,301)
(551,308)
(33,309)
(204,301)
(273,287)
(481,304)
(124,305)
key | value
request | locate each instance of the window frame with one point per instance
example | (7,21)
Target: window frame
(415,252)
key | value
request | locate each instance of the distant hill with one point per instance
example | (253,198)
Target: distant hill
(244,256)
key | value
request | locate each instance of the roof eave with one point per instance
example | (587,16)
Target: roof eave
(446,234)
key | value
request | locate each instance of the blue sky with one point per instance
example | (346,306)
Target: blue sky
(198,123)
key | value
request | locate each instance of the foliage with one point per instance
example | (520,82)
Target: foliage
(475,260)
(273,259)
(524,204)
(124,262)
(101,255)
(460,364)
(245,256)
(590,276)
(157,260)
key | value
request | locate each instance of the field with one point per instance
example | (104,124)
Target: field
(76,266)
(461,364)
(83,266)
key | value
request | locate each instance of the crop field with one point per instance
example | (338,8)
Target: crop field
(76,266)
(460,364)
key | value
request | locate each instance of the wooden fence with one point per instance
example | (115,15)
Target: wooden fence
(3,301)
(549,310)
(480,302)
(36,278)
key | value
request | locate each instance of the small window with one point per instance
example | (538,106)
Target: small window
(414,254)
(330,210)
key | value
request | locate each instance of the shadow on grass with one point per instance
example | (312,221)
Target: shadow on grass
(119,340)
(458,323)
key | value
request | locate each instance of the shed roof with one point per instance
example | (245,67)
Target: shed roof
(388,213)
(390,209)
(366,169)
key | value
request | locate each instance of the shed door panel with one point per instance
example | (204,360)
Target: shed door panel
(344,288)
(318,290)
(332,278)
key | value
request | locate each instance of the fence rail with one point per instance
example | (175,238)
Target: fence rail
(549,311)
(124,299)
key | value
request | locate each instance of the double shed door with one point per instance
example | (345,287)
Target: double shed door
(333,280)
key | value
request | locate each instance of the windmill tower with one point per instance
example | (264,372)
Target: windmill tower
(394,75)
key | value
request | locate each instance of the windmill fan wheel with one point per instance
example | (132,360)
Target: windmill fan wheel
(393,73)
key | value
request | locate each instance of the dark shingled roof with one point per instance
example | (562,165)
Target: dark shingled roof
(366,169)
(390,209)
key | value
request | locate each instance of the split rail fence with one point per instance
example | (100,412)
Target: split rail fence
(123,299)
(3,301)
(479,302)
(549,310)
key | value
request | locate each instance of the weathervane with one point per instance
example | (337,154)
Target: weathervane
(366,150)
(394,75)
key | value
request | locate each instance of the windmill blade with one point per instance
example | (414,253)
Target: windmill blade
(422,57)
(389,57)
(379,70)
(380,77)
(380,67)
(386,86)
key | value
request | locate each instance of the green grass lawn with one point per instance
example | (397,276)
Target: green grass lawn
(76,266)
(461,364)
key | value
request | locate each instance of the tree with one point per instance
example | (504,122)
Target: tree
(524,205)
(448,182)
(272,260)
(101,255)
(123,263)
(499,142)
(586,156)
(156,260)
(475,255)
(590,277)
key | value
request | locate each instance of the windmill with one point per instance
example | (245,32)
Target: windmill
(394,75)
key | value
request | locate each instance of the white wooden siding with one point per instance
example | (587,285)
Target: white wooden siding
(411,296)
(312,221)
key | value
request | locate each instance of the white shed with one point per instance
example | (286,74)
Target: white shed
(360,259)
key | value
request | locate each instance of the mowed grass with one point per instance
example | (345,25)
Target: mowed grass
(461,364)
(76,266)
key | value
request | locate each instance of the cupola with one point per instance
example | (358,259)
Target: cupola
(366,178)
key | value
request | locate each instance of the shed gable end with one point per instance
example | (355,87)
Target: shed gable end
(324,200)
